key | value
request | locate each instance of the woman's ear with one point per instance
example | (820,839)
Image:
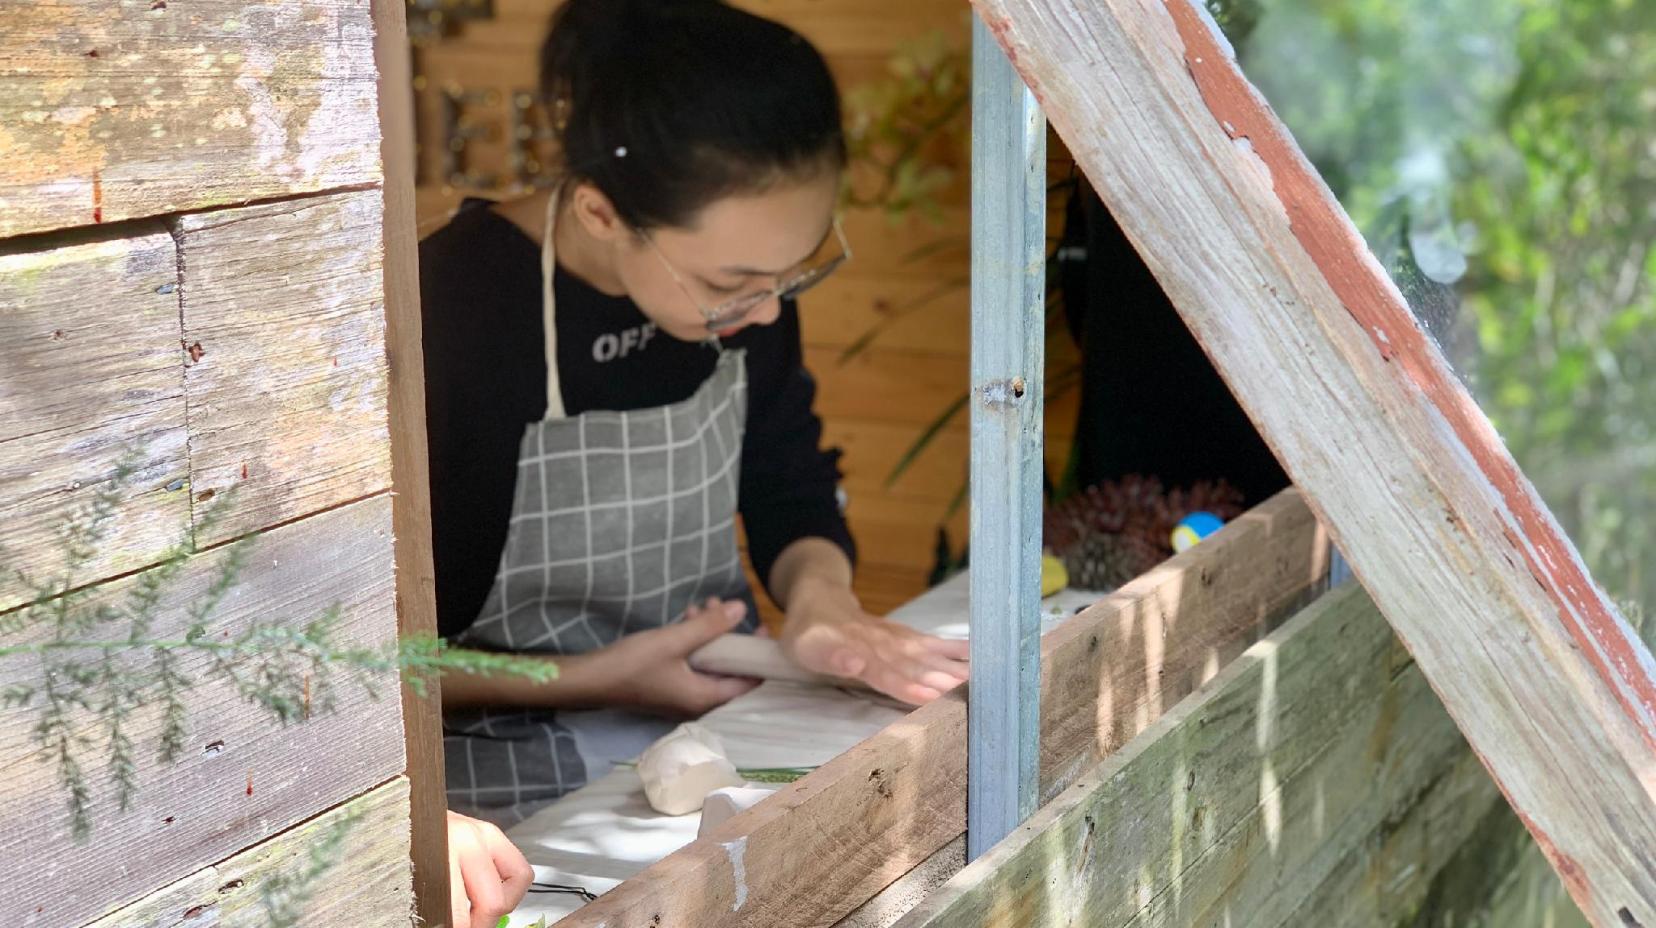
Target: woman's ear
(597,214)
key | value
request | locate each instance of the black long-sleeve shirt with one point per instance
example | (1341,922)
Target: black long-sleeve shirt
(485,369)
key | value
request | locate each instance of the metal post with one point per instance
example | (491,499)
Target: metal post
(1339,570)
(1008,359)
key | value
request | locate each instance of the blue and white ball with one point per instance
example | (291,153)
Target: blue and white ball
(1195,527)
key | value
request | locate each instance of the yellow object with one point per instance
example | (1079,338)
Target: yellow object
(1053,575)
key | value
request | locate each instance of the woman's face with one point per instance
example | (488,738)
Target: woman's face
(737,246)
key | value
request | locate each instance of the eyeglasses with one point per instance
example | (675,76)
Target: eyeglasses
(789,286)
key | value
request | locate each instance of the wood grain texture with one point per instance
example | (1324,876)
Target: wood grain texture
(823,845)
(1235,806)
(889,905)
(116,110)
(1398,874)
(1499,879)
(840,26)
(241,777)
(1495,875)
(284,322)
(91,376)
(365,886)
(1551,686)
(920,313)
(411,504)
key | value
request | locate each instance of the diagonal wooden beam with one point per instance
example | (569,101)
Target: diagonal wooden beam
(1537,667)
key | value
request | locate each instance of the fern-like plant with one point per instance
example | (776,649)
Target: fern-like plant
(97,662)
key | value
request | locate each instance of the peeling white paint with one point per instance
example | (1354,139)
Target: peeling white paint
(73,114)
(737,851)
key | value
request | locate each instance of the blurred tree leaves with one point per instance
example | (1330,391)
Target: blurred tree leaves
(1500,157)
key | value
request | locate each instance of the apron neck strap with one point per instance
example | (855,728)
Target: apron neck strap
(549,267)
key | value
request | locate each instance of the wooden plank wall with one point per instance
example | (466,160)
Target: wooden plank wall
(234,355)
(1315,781)
(410,473)
(875,405)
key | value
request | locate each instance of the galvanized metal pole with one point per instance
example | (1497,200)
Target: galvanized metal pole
(1339,569)
(1008,360)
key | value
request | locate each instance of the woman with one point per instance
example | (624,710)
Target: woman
(613,374)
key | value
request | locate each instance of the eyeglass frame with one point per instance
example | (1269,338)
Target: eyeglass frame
(723,316)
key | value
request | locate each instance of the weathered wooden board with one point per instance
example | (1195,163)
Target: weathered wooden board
(1230,807)
(365,883)
(115,110)
(284,325)
(411,504)
(1539,669)
(1495,875)
(91,376)
(820,847)
(1399,873)
(886,907)
(241,776)
(1523,892)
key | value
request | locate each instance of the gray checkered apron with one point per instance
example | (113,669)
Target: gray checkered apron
(620,520)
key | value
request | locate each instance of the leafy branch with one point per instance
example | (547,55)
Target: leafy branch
(897,125)
(98,661)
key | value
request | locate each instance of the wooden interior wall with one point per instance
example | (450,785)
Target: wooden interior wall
(875,405)
(237,353)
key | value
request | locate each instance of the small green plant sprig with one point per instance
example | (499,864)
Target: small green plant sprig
(100,662)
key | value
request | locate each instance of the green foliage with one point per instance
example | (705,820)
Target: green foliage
(93,664)
(906,129)
(284,895)
(1500,157)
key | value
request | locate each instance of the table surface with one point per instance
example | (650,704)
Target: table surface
(605,832)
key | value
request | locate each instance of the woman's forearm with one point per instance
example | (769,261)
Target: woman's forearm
(808,562)
(576,687)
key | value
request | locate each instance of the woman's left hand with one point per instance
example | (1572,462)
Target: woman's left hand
(488,875)
(827,631)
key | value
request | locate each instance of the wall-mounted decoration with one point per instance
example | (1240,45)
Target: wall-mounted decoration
(431,20)
(461,127)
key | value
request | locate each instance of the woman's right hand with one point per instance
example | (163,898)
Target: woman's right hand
(650,670)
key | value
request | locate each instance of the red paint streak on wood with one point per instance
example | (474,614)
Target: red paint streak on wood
(97,196)
(1568,869)
(244,477)
(1001,28)
(1322,230)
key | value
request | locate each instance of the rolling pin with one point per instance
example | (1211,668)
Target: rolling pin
(737,655)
